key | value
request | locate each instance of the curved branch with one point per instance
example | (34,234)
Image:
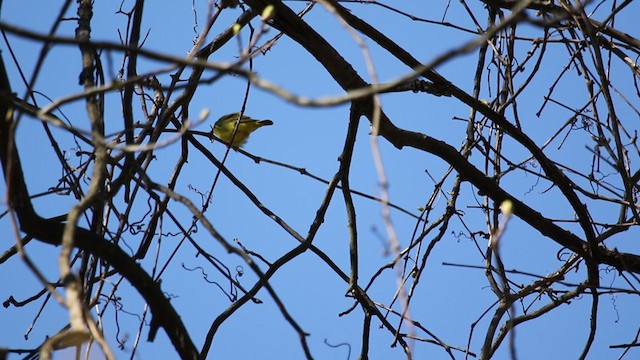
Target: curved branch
(50,231)
(345,75)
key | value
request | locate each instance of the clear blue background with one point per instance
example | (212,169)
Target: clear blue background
(448,300)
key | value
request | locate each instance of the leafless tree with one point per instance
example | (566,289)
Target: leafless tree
(540,149)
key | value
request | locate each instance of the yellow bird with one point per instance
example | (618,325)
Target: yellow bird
(225,126)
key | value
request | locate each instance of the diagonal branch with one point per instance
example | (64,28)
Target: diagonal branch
(50,232)
(344,74)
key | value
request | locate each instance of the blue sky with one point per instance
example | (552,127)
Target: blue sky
(449,298)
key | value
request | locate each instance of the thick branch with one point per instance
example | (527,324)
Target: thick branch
(51,232)
(344,74)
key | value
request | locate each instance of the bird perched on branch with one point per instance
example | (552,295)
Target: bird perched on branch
(225,128)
